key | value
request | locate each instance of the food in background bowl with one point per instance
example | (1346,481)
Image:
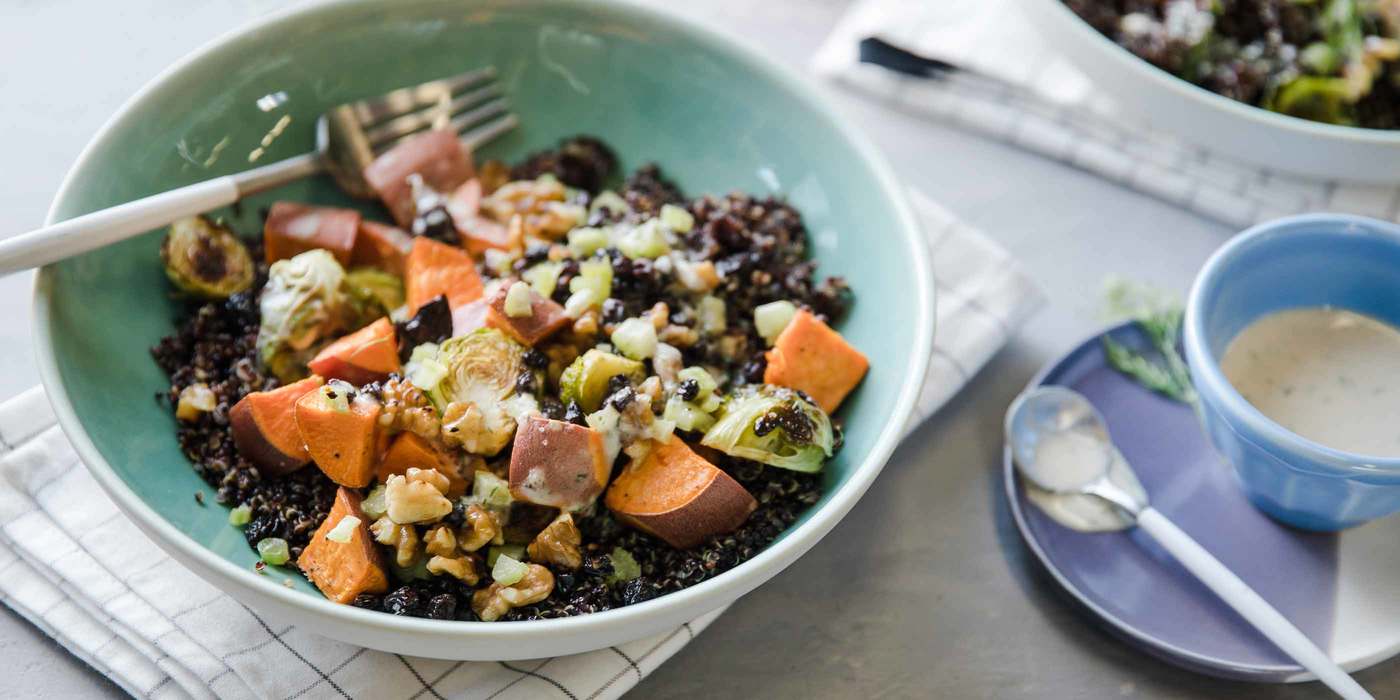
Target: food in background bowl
(1332,61)
(540,397)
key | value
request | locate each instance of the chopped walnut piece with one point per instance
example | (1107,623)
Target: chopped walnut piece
(558,544)
(458,567)
(414,501)
(492,602)
(679,336)
(403,538)
(464,425)
(480,529)
(440,541)
(431,477)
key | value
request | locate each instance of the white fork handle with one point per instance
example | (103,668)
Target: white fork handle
(1249,605)
(104,227)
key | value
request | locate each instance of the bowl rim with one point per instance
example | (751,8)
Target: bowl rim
(1205,368)
(705,596)
(1186,89)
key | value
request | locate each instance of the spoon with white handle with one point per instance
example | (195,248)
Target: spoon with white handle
(1059,442)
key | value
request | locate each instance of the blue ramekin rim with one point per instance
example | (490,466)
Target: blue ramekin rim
(1210,381)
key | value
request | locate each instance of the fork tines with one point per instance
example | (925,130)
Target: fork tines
(471,104)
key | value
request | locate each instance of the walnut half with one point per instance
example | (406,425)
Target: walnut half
(558,544)
(480,529)
(415,500)
(492,602)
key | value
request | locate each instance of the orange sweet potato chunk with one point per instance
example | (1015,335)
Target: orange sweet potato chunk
(409,450)
(382,246)
(365,356)
(435,268)
(436,156)
(265,430)
(343,443)
(292,228)
(546,317)
(811,357)
(343,570)
(676,495)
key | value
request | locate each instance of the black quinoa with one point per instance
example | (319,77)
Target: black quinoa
(581,161)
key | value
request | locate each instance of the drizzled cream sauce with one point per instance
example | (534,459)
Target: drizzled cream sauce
(1329,375)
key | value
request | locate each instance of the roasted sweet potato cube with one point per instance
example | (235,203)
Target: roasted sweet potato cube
(559,464)
(382,246)
(342,436)
(265,430)
(292,228)
(674,494)
(469,317)
(409,450)
(343,570)
(367,355)
(546,317)
(811,357)
(477,232)
(435,268)
(436,156)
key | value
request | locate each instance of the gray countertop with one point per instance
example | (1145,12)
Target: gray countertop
(925,588)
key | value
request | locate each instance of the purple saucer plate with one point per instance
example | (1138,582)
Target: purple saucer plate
(1341,589)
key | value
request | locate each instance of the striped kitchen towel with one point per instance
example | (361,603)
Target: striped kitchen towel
(73,565)
(1017,89)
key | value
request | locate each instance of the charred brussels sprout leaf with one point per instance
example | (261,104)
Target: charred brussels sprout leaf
(373,293)
(205,259)
(773,425)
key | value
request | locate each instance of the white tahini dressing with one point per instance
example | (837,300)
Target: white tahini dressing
(1329,375)
(1068,460)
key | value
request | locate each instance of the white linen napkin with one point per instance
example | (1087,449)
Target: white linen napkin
(73,565)
(1017,89)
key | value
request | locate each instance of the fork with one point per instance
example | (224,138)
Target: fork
(348,138)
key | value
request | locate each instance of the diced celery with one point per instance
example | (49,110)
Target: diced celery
(518,303)
(702,377)
(343,530)
(712,315)
(274,551)
(645,240)
(514,551)
(239,516)
(579,302)
(544,277)
(490,490)
(770,319)
(374,504)
(607,199)
(507,571)
(676,218)
(498,261)
(635,338)
(586,241)
(337,395)
(687,416)
(595,276)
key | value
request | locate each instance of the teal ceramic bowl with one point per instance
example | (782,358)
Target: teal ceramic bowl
(716,115)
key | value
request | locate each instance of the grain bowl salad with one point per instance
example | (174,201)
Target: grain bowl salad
(534,391)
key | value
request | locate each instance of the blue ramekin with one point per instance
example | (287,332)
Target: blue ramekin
(1347,262)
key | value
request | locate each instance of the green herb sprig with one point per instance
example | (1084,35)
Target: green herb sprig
(1159,317)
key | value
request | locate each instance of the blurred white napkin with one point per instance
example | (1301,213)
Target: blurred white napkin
(1018,89)
(73,565)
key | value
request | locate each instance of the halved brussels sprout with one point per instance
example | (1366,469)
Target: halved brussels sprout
(586,380)
(773,425)
(303,303)
(482,368)
(373,293)
(206,259)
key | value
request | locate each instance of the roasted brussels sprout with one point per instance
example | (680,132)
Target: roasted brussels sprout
(586,380)
(303,303)
(205,259)
(475,395)
(773,425)
(373,293)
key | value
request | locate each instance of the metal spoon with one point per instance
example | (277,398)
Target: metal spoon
(1060,443)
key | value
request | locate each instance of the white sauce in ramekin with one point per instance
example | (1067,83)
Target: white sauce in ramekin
(1329,375)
